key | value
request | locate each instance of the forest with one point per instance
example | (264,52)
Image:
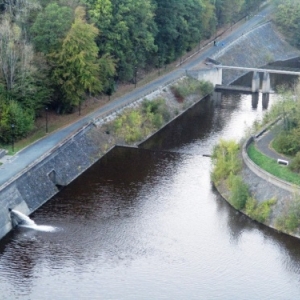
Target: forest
(56,53)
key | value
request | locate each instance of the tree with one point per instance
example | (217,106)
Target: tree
(11,112)
(127,31)
(50,27)
(288,18)
(10,51)
(179,27)
(228,11)
(107,68)
(76,65)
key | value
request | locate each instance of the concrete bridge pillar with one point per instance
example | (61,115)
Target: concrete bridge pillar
(255,82)
(266,85)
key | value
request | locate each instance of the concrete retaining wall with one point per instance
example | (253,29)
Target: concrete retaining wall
(41,181)
(213,75)
(265,175)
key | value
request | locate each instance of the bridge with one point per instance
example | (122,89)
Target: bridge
(266,87)
(214,74)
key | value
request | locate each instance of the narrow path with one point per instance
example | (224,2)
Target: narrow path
(263,144)
(31,153)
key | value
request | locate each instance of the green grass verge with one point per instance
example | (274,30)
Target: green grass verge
(271,166)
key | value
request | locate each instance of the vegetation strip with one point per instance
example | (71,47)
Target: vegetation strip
(271,166)
(226,177)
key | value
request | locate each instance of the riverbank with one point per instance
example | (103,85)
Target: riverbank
(263,188)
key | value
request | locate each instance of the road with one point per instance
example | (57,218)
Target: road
(30,154)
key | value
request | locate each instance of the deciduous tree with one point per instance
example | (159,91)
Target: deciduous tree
(50,27)
(77,67)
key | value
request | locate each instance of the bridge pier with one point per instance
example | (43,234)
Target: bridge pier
(266,85)
(255,82)
(213,75)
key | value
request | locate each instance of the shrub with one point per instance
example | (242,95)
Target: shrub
(13,113)
(295,163)
(134,124)
(290,220)
(287,142)
(206,87)
(239,193)
(259,212)
(224,159)
(191,86)
(158,121)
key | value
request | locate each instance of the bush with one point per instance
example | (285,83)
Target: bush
(206,87)
(290,220)
(191,86)
(287,142)
(239,193)
(259,212)
(134,124)
(13,113)
(225,161)
(295,163)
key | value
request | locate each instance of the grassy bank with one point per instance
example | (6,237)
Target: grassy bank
(133,125)
(271,166)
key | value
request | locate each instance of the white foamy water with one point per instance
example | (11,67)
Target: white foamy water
(45,228)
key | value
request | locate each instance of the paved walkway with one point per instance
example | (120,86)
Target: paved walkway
(264,145)
(14,165)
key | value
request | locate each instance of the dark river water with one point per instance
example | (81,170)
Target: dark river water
(147,224)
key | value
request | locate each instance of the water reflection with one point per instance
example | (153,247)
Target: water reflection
(265,100)
(255,97)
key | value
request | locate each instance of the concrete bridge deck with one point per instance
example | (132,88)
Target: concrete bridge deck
(260,70)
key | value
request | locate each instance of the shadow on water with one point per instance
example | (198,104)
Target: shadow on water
(238,224)
(196,124)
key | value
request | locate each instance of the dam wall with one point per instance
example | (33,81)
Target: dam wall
(57,168)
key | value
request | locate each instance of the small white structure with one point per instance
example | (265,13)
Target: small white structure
(282,162)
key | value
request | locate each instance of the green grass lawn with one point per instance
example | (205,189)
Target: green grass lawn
(271,166)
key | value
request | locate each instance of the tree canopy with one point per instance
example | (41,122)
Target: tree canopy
(56,53)
(288,19)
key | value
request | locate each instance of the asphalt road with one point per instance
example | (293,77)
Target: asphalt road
(30,154)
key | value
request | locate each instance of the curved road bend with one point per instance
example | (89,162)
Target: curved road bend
(33,152)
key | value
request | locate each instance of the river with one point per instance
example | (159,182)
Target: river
(147,224)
